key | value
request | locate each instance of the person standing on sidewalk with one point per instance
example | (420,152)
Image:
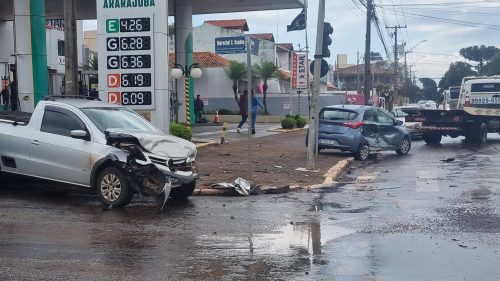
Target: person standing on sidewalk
(242,103)
(255,104)
(198,108)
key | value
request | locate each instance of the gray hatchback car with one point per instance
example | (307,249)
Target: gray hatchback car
(361,130)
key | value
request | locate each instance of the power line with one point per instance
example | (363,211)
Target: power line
(452,21)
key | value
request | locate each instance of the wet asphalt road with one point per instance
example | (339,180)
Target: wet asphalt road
(392,218)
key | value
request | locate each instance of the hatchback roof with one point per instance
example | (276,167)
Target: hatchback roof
(354,107)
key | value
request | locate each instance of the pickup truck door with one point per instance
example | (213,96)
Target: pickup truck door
(54,154)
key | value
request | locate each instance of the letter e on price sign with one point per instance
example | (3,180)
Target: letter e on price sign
(114,80)
(114,97)
(112,25)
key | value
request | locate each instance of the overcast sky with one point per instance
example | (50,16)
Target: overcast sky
(447,25)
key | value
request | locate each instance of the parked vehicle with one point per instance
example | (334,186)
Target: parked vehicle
(430,104)
(477,115)
(401,112)
(97,145)
(361,130)
(450,98)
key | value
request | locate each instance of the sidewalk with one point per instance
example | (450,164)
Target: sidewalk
(275,159)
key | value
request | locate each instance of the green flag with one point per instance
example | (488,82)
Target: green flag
(298,23)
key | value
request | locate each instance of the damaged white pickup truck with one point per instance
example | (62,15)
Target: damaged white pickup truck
(97,145)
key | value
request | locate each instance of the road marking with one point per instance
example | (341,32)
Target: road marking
(427,181)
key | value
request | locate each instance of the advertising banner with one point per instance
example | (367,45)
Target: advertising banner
(300,71)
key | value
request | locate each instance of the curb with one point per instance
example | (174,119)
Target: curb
(333,174)
(201,145)
(280,130)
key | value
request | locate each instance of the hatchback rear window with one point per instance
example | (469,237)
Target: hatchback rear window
(337,114)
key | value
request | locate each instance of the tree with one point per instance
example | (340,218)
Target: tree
(265,71)
(236,71)
(429,89)
(493,66)
(454,75)
(479,54)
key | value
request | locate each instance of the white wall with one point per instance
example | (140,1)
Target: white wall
(6,45)
(284,60)
(213,84)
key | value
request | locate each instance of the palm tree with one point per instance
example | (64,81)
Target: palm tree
(236,71)
(265,71)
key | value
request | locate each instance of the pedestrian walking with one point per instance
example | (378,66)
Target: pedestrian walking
(243,109)
(255,104)
(198,108)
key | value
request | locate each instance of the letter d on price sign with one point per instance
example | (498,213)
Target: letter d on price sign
(114,97)
(113,80)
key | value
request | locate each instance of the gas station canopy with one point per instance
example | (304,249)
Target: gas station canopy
(86,9)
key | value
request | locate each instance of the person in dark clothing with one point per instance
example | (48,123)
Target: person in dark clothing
(13,96)
(198,108)
(243,104)
(5,96)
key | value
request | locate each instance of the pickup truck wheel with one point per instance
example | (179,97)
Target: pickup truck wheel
(183,191)
(483,133)
(404,147)
(432,138)
(362,153)
(113,188)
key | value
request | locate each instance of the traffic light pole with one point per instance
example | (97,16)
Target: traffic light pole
(313,122)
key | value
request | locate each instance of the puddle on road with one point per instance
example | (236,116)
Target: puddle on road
(296,238)
(336,207)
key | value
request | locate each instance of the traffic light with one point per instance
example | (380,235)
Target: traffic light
(327,41)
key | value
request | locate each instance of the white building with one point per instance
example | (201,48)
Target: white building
(264,49)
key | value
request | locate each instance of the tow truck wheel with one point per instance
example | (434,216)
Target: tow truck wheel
(432,138)
(183,191)
(113,188)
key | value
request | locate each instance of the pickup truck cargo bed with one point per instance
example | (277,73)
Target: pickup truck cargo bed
(16,116)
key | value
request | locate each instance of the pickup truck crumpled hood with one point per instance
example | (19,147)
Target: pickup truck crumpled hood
(158,143)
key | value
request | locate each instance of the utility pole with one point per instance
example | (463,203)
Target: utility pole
(395,96)
(70,48)
(368,85)
(313,124)
(358,85)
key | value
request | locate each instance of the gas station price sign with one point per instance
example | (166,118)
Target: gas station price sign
(129,53)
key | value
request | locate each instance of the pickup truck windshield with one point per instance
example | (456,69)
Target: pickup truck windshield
(117,118)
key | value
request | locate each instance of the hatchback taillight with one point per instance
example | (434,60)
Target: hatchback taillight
(353,125)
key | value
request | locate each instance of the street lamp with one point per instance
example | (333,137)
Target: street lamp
(192,71)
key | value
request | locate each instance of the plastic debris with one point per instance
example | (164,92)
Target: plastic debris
(241,186)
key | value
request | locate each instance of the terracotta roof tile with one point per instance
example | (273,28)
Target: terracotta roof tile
(239,24)
(286,46)
(285,74)
(204,59)
(264,36)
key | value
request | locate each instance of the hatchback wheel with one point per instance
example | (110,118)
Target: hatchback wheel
(363,152)
(404,147)
(113,188)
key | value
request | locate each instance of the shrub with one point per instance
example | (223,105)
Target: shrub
(288,123)
(180,131)
(301,122)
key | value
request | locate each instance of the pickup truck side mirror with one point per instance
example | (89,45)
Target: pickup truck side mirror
(80,134)
(399,122)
